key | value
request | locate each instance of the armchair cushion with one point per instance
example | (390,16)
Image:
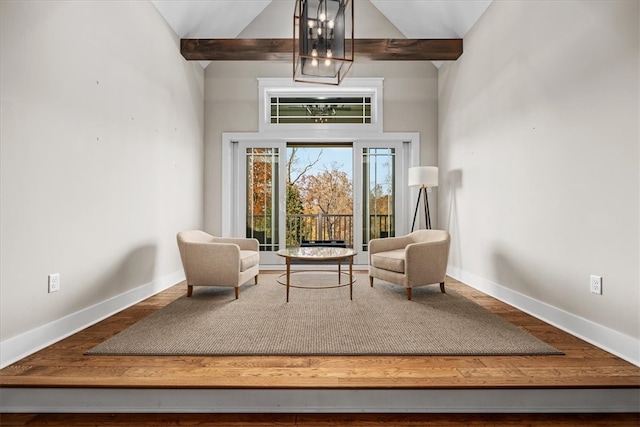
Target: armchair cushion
(392,260)
(248,259)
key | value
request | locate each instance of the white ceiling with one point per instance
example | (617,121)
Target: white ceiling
(432,19)
(214,19)
(419,19)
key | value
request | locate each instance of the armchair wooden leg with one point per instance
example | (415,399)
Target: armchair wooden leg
(256,279)
(409,294)
(371,281)
(442,288)
(189,290)
(237,289)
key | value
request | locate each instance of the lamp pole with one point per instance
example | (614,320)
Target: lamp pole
(424,177)
(422,192)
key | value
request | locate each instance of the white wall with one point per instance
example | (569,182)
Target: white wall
(102,157)
(231,105)
(539,154)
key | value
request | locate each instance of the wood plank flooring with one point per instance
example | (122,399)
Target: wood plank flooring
(322,420)
(64,365)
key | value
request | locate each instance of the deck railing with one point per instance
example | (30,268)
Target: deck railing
(311,227)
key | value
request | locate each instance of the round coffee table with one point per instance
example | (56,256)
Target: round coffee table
(319,253)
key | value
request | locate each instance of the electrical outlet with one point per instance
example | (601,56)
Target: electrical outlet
(596,284)
(54,282)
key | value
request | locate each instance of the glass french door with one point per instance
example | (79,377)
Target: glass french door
(261,196)
(379,194)
(379,173)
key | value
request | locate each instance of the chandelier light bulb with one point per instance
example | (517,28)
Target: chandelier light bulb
(329,53)
(319,30)
(314,52)
(322,17)
(331,24)
(327,62)
(310,23)
(314,62)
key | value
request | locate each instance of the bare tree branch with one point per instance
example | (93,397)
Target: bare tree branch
(293,160)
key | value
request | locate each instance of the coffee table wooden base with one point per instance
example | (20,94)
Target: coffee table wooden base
(350,283)
(339,285)
(318,254)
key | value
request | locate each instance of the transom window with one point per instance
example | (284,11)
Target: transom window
(287,106)
(294,109)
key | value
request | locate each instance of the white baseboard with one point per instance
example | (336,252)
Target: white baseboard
(619,344)
(20,346)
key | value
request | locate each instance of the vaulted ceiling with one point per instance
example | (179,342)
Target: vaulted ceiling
(273,19)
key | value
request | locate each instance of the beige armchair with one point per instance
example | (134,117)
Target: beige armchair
(217,261)
(417,259)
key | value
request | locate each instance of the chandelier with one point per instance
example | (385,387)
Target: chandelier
(322,40)
(320,113)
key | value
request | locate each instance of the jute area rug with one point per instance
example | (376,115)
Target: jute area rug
(378,321)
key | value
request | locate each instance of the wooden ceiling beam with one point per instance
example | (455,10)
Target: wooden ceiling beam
(408,49)
(282,49)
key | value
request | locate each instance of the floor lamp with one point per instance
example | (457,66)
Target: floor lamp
(423,177)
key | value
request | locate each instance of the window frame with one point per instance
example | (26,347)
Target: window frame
(355,87)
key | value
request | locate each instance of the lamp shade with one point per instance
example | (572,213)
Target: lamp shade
(423,176)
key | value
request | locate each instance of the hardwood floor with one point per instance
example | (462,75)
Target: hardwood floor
(63,365)
(323,420)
